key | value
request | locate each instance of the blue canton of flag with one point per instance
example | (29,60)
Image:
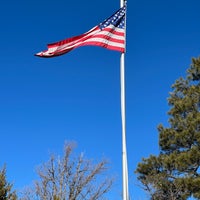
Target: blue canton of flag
(117,19)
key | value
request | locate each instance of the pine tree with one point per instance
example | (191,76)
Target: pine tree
(6,192)
(175,173)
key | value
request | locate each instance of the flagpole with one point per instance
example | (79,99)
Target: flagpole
(123,118)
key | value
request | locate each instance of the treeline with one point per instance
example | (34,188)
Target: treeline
(69,177)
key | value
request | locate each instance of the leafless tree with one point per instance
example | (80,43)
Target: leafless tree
(72,178)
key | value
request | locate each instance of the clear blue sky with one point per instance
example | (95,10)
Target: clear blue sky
(44,102)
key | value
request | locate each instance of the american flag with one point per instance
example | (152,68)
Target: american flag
(109,34)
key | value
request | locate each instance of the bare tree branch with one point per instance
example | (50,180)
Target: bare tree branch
(72,178)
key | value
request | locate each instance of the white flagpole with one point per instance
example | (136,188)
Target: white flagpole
(123,118)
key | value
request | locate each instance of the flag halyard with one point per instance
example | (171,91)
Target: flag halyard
(109,34)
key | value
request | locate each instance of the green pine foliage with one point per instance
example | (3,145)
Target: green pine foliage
(6,192)
(175,173)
